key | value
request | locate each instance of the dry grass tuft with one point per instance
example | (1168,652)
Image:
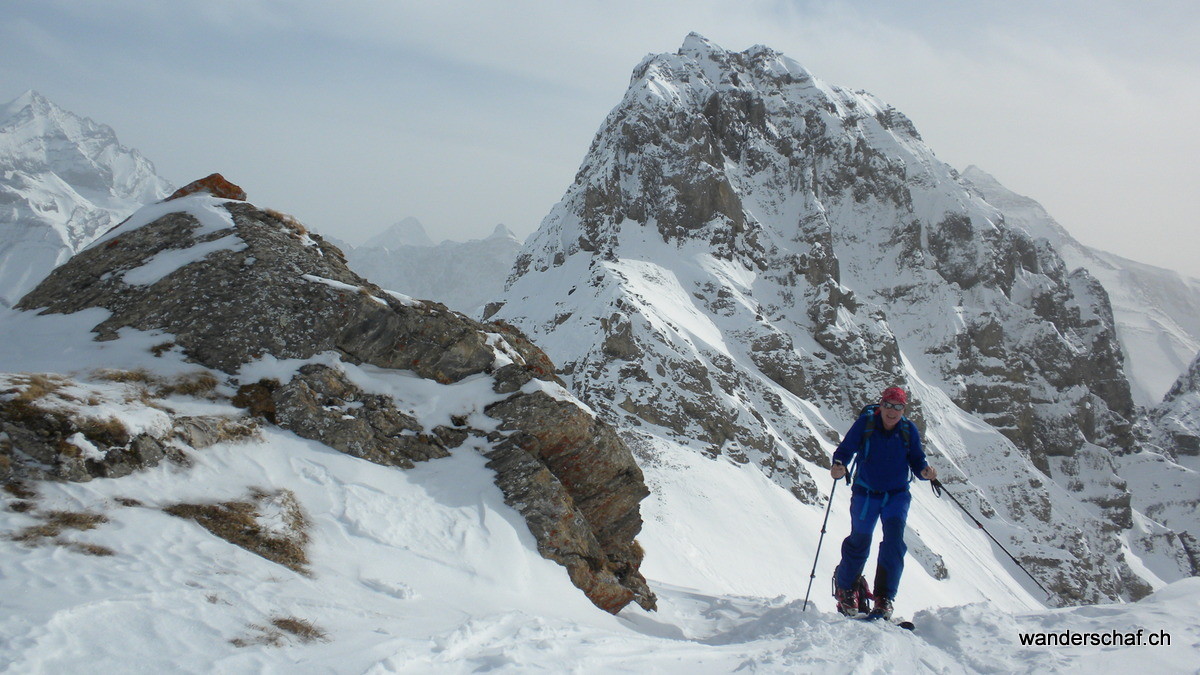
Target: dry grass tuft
(200,384)
(91,549)
(20,490)
(288,221)
(140,375)
(277,633)
(55,522)
(239,523)
(75,520)
(31,387)
(301,628)
(162,348)
(127,501)
(103,431)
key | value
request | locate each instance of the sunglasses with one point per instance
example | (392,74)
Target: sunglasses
(892,406)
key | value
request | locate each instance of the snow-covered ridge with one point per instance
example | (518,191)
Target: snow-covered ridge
(320,351)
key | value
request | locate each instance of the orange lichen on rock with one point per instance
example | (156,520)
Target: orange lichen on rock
(215,185)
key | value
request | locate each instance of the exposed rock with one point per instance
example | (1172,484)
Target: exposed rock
(598,475)
(1177,418)
(320,404)
(45,437)
(215,185)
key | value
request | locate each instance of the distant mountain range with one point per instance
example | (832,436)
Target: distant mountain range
(464,275)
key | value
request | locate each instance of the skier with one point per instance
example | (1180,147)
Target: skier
(886,445)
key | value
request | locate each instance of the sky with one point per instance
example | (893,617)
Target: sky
(353,115)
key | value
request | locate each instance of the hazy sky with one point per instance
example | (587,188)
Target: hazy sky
(353,114)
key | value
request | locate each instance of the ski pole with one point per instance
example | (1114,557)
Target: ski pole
(813,575)
(938,489)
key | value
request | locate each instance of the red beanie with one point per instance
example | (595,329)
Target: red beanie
(894,395)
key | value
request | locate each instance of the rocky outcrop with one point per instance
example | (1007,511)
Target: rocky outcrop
(213,184)
(319,403)
(595,473)
(46,434)
(233,284)
(1177,418)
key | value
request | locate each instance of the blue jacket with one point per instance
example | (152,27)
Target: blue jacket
(888,461)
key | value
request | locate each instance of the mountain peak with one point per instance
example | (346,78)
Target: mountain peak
(697,44)
(66,180)
(407,232)
(33,105)
(745,240)
(502,232)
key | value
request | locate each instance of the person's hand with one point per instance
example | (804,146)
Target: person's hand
(929,473)
(837,471)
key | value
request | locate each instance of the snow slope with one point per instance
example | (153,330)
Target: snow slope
(63,181)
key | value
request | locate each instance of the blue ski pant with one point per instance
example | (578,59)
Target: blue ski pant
(865,509)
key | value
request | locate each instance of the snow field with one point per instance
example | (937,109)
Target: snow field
(428,571)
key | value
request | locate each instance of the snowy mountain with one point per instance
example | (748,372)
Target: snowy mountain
(462,275)
(1157,311)
(63,181)
(748,255)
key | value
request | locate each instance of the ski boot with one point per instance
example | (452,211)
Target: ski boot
(882,610)
(847,601)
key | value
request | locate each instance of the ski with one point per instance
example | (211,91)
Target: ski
(906,625)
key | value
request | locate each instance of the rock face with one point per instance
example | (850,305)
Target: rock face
(64,180)
(233,284)
(1177,418)
(1156,311)
(747,255)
